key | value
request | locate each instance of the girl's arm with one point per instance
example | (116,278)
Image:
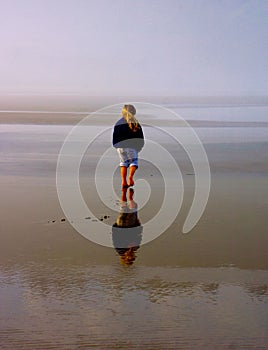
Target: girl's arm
(116,135)
(140,136)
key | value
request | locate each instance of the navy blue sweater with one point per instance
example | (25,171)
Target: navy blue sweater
(124,137)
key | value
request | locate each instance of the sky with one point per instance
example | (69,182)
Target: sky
(134,47)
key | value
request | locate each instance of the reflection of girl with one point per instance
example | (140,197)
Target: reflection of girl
(127,230)
(128,139)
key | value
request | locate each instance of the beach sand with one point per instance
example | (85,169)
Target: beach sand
(203,290)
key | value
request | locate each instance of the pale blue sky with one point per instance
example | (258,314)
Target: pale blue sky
(140,47)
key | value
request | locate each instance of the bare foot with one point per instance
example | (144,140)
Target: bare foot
(130,182)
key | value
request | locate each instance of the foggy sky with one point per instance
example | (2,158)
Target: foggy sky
(167,47)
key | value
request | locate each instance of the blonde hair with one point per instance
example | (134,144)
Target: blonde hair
(128,113)
(128,220)
(128,257)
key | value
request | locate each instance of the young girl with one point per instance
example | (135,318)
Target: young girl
(128,139)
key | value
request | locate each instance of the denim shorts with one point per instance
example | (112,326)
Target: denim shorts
(128,157)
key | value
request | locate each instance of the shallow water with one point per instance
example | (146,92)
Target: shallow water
(238,113)
(204,290)
(58,305)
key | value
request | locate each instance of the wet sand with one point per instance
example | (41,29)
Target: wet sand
(203,290)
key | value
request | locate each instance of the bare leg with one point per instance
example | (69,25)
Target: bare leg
(123,171)
(132,204)
(132,170)
(124,195)
(130,194)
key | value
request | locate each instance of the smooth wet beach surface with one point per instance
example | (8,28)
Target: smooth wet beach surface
(206,289)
